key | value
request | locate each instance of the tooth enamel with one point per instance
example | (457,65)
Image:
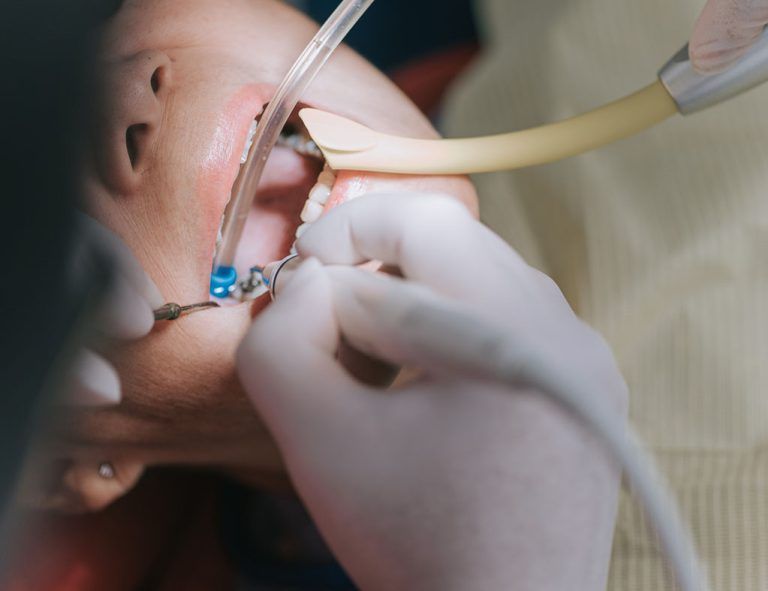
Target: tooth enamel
(301,229)
(320,193)
(311,212)
(326,178)
(249,141)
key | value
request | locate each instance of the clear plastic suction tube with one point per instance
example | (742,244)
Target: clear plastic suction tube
(272,122)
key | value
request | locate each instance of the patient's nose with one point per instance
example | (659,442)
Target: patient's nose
(136,91)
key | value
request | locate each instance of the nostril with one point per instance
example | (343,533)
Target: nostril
(155,80)
(132,142)
(160,78)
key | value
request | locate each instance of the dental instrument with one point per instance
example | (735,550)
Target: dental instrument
(299,77)
(172,311)
(348,145)
(272,271)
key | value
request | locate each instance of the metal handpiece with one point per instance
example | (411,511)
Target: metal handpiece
(693,91)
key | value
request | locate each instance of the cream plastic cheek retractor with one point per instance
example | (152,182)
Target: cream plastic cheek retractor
(348,145)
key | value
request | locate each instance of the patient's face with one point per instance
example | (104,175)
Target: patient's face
(181,82)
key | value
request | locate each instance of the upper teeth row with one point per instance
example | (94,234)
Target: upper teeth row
(299,143)
(249,141)
(318,197)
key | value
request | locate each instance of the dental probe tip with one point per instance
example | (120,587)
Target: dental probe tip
(271,272)
(268,271)
(172,311)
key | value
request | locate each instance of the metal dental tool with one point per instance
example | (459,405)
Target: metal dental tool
(271,272)
(327,39)
(172,311)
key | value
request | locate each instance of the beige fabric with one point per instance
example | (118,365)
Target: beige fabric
(660,242)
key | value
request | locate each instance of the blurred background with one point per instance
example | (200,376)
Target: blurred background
(431,48)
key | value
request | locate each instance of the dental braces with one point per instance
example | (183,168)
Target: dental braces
(250,287)
(299,142)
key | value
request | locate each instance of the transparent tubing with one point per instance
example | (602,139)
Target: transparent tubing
(272,122)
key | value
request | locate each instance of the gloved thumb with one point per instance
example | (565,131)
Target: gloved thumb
(408,324)
(287,361)
(725,31)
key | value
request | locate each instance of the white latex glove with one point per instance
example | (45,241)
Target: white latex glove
(450,481)
(126,314)
(725,30)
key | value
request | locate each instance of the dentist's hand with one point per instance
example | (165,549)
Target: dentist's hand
(450,481)
(725,31)
(91,381)
(126,313)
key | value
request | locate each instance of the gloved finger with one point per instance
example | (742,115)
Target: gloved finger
(124,313)
(368,370)
(287,362)
(130,267)
(127,308)
(409,324)
(92,381)
(725,31)
(430,238)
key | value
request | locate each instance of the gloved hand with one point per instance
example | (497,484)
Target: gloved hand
(450,481)
(725,30)
(126,313)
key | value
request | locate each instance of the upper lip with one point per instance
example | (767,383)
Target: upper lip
(242,108)
(257,96)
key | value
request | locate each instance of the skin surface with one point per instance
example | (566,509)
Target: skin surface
(182,79)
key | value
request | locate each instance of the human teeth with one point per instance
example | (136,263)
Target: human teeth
(326,178)
(320,193)
(312,149)
(311,212)
(249,141)
(301,229)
